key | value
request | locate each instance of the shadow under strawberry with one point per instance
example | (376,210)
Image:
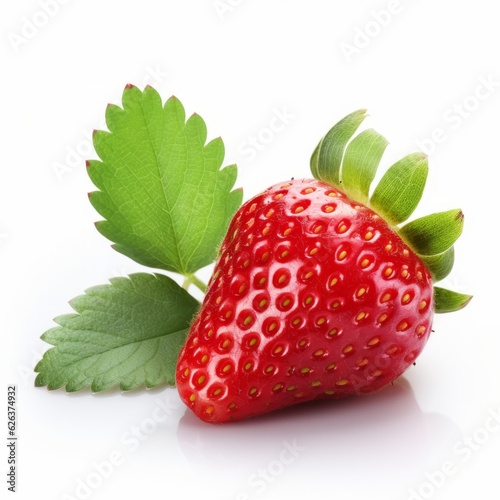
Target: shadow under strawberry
(357,444)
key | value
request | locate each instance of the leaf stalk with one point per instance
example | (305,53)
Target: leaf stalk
(192,279)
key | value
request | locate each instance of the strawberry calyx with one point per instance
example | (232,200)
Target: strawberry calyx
(350,164)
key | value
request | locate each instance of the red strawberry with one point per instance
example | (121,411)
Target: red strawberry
(313,295)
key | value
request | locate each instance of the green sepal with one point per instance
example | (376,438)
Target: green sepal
(399,191)
(350,164)
(449,301)
(327,157)
(314,159)
(359,166)
(435,233)
(439,265)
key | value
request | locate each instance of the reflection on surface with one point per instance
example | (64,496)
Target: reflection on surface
(377,441)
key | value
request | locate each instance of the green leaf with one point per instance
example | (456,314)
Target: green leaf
(439,265)
(435,233)
(165,201)
(400,189)
(359,166)
(327,157)
(449,301)
(127,333)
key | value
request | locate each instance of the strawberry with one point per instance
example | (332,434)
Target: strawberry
(317,295)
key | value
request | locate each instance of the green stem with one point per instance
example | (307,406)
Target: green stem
(191,279)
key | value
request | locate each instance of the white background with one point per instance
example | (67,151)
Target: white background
(422,67)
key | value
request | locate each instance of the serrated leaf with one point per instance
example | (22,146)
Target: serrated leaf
(449,301)
(165,200)
(327,157)
(127,333)
(435,233)
(359,166)
(399,191)
(439,265)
